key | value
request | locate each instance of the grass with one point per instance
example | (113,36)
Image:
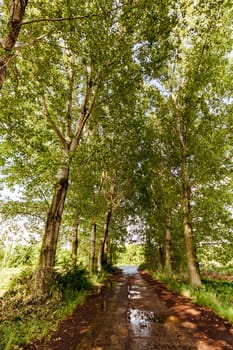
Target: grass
(214,294)
(6,274)
(22,321)
(41,321)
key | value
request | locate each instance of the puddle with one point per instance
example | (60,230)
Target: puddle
(141,322)
(134,294)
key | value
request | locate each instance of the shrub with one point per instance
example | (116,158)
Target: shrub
(74,280)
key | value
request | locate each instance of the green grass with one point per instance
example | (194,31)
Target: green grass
(41,321)
(214,294)
(6,274)
(22,321)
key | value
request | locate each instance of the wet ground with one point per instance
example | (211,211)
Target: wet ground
(136,313)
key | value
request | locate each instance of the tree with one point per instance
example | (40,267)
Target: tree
(89,76)
(76,87)
(10,35)
(194,67)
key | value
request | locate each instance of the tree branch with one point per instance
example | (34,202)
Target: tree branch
(53,124)
(70,18)
(85,114)
(31,42)
(70,102)
(58,19)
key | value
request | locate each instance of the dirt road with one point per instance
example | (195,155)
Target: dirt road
(135,313)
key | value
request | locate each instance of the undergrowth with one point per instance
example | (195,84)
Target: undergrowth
(23,319)
(214,294)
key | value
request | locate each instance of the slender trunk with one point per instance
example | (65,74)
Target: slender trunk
(7,43)
(160,257)
(110,248)
(149,250)
(100,257)
(92,248)
(168,267)
(194,274)
(8,250)
(106,231)
(69,144)
(182,131)
(74,253)
(49,244)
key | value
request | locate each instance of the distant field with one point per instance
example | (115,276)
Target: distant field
(6,274)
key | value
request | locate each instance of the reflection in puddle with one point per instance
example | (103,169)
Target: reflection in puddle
(141,322)
(134,294)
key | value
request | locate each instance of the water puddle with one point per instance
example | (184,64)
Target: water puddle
(134,294)
(141,322)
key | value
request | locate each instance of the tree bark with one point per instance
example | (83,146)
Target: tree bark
(106,231)
(160,257)
(194,275)
(149,249)
(92,248)
(74,253)
(49,244)
(182,132)
(7,43)
(100,257)
(69,146)
(168,267)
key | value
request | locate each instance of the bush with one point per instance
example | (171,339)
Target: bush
(74,280)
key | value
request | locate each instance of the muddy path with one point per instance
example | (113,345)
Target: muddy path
(136,313)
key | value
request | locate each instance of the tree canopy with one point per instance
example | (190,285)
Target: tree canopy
(114,113)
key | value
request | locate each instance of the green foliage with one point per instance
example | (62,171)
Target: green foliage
(216,256)
(149,62)
(132,255)
(72,281)
(6,274)
(222,289)
(23,255)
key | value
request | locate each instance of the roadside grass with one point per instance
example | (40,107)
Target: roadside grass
(23,320)
(214,294)
(41,321)
(228,270)
(6,274)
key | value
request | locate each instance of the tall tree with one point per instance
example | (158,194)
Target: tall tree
(92,72)
(10,32)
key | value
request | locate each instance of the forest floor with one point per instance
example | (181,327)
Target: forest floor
(135,312)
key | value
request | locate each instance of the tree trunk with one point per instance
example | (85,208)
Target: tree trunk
(92,248)
(149,250)
(110,248)
(182,131)
(69,144)
(100,257)
(194,274)
(168,267)
(49,244)
(160,257)
(106,231)
(7,43)
(74,253)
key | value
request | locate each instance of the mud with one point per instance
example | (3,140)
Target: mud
(134,312)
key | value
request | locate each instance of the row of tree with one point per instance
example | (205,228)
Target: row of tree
(127,105)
